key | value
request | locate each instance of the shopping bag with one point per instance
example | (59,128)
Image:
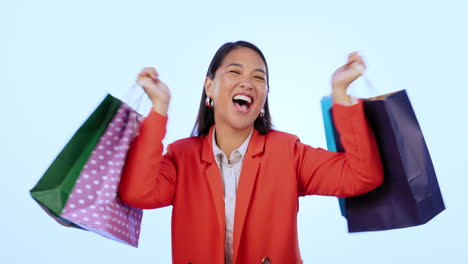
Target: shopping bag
(54,187)
(92,203)
(410,194)
(330,135)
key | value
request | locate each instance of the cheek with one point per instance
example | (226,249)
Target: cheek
(263,96)
(220,95)
(222,88)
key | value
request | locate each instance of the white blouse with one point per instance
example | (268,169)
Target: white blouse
(230,170)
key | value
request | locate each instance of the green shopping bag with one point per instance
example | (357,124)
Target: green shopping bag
(54,187)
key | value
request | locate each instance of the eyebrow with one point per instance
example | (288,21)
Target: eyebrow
(240,65)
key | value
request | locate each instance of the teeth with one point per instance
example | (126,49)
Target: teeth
(243,97)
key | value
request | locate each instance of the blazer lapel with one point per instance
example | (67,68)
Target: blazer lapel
(214,180)
(249,172)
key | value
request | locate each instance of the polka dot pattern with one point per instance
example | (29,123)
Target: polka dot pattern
(93,203)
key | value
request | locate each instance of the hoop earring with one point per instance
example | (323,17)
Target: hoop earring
(209,102)
(262,113)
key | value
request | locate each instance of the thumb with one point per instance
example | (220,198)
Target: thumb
(358,67)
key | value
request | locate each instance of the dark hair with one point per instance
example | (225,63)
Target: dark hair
(205,118)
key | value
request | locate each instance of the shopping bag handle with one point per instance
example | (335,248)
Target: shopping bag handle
(136,98)
(370,87)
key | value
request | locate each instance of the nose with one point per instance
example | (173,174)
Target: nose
(246,84)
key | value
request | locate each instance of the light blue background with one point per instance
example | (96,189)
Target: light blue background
(59,59)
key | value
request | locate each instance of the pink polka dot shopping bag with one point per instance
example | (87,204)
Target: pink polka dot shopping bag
(79,189)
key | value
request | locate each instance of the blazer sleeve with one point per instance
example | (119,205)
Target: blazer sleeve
(149,178)
(356,171)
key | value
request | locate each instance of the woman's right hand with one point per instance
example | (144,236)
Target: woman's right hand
(157,91)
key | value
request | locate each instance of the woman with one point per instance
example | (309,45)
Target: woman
(234,185)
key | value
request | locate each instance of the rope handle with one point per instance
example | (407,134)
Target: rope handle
(360,68)
(137,99)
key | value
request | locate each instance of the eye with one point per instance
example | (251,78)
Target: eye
(234,71)
(259,78)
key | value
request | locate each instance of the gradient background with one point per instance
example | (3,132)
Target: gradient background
(59,59)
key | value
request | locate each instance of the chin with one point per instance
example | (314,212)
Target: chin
(242,124)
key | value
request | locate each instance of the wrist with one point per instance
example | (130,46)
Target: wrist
(340,97)
(339,88)
(161,108)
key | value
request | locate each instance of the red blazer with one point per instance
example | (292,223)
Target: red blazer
(277,170)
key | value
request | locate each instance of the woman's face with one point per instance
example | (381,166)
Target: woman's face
(239,88)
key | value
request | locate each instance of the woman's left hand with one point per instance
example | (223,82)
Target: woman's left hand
(348,73)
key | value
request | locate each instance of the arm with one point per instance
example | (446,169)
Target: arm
(148,179)
(356,171)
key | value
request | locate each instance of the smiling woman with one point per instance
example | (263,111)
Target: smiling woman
(235,71)
(235,184)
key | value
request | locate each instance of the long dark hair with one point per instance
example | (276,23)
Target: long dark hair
(205,118)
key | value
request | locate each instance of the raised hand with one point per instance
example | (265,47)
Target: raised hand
(348,73)
(157,91)
(345,75)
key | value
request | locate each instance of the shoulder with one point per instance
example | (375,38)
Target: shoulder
(186,144)
(280,145)
(280,137)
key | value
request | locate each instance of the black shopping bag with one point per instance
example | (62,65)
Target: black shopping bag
(410,194)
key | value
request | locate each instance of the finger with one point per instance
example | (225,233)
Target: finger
(363,62)
(358,67)
(351,62)
(148,69)
(357,58)
(150,72)
(144,80)
(154,73)
(353,55)
(142,75)
(141,81)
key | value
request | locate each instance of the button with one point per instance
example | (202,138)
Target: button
(266,260)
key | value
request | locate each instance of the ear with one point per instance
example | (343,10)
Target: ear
(209,90)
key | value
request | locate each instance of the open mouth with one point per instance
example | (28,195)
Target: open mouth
(242,102)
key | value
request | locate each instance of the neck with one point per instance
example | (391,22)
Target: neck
(229,139)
